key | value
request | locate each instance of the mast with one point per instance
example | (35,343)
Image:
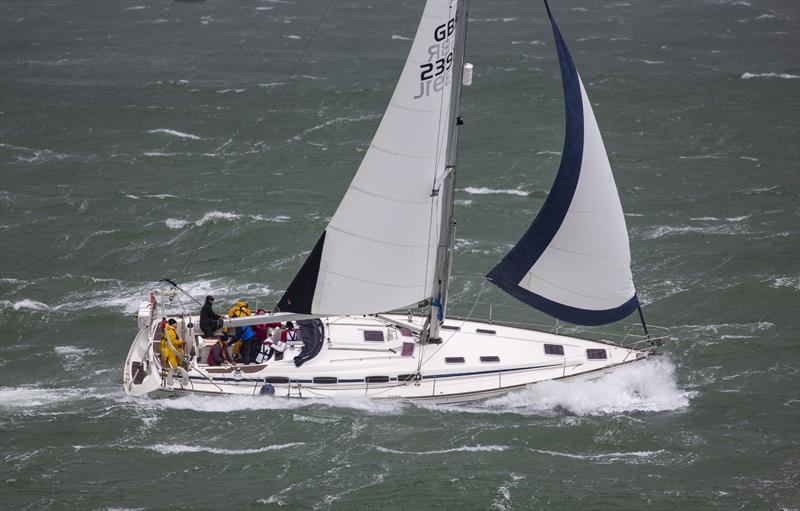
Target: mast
(446,188)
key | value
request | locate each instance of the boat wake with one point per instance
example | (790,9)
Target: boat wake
(644,387)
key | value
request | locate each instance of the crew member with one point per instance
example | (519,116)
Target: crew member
(210,321)
(219,354)
(170,355)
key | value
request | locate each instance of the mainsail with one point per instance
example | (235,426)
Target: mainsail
(379,252)
(573,262)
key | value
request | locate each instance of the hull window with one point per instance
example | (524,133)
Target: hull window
(490,359)
(596,354)
(276,379)
(325,379)
(377,379)
(450,327)
(555,349)
(485,331)
(454,360)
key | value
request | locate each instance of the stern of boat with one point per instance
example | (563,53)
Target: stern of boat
(142,371)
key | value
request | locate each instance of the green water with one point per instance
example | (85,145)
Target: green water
(133,132)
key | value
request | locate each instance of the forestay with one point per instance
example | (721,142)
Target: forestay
(573,262)
(378,252)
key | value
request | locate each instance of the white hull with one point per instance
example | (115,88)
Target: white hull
(474,361)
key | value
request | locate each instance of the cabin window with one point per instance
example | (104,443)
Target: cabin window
(408,349)
(553,349)
(596,354)
(451,327)
(373,335)
(377,379)
(492,358)
(325,379)
(405,332)
(276,379)
(453,360)
(485,331)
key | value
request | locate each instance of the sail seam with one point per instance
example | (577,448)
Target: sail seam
(418,157)
(367,192)
(333,227)
(599,298)
(408,108)
(384,284)
(554,247)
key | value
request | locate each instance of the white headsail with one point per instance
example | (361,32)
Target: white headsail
(379,251)
(574,261)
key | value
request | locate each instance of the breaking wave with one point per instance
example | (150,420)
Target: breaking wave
(648,386)
(175,133)
(126,297)
(180,449)
(178,223)
(785,76)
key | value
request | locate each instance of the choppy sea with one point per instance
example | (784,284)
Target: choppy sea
(149,139)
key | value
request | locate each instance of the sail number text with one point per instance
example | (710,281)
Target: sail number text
(440,60)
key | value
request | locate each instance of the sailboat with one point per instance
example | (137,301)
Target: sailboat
(371,297)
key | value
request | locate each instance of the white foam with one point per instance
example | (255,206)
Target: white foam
(181,448)
(27,397)
(176,223)
(668,230)
(25,304)
(310,418)
(465,448)
(644,386)
(484,191)
(127,297)
(717,219)
(610,456)
(786,281)
(175,133)
(785,76)
(72,350)
(292,36)
(136,8)
(396,37)
(264,8)
(210,216)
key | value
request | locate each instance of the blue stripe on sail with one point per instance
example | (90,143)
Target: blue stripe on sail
(520,259)
(571,314)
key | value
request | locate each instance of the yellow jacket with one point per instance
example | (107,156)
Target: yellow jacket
(167,354)
(239,310)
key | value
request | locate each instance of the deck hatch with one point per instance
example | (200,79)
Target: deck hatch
(373,335)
